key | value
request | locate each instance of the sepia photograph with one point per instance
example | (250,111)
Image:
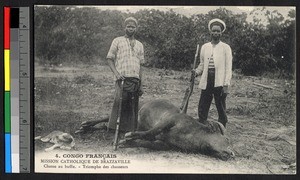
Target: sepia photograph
(165,89)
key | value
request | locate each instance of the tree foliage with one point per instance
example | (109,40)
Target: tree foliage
(65,34)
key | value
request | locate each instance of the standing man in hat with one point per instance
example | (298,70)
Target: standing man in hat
(125,56)
(215,69)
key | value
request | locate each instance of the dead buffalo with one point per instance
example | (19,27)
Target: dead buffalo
(161,126)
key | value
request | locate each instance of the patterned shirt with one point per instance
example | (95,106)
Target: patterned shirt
(211,64)
(127,57)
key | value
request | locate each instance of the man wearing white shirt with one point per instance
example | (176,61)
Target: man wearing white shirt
(215,69)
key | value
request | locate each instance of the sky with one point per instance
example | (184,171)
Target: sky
(191,10)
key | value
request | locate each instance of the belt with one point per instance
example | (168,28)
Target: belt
(211,70)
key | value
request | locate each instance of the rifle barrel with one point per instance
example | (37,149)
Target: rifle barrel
(191,87)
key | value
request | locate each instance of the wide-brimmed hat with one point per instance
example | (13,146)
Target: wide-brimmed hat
(217,21)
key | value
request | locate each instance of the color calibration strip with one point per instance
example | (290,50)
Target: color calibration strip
(7,110)
(17,93)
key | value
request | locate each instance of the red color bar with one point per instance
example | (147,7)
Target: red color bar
(6,27)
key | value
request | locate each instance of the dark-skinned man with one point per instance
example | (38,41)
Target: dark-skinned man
(125,57)
(215,69)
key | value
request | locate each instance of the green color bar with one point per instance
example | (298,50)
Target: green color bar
(7,123)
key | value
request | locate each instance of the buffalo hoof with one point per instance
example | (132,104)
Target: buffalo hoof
(123,141)
(128,135)
(131,135)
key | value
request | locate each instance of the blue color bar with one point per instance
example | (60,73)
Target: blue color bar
(8,167)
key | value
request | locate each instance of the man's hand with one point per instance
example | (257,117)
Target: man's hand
(194,73)
(225,89)
(119,76)
(141,91)
(112,66)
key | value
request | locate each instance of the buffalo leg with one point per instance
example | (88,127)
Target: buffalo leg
(91,125)
(155,145)
(150,134)
(94,122)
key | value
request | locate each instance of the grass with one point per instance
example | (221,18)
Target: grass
(67,96)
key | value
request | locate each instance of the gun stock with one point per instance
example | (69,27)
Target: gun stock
(116,139)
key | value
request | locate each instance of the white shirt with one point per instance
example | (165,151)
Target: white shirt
(222,57)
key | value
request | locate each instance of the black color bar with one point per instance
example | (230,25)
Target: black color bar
(14,17)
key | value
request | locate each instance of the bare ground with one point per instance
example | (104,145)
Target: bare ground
(261,119)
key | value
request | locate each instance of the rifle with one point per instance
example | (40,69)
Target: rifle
(116,140)
(189,90)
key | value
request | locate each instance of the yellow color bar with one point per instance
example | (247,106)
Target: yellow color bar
(7,69)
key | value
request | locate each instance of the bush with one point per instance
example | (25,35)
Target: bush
(82,35)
